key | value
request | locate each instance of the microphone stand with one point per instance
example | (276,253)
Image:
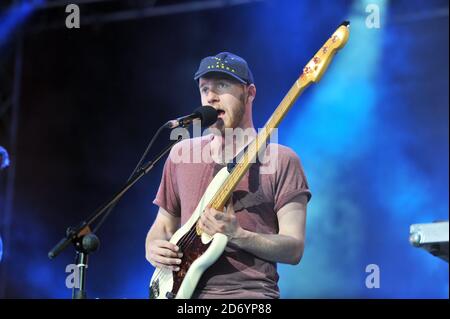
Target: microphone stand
(84,240)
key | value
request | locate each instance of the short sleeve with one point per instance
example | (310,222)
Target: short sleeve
(290,179)
(167,196)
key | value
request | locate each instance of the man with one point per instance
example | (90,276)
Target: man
(264,221)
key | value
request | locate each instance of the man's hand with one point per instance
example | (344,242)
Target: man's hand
(158,250)
(214,221)
(163,254)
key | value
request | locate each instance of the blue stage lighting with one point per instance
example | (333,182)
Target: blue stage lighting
(17,14)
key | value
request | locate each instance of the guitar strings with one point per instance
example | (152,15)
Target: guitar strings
(185,242)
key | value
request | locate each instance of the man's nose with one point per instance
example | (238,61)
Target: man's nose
(212,97)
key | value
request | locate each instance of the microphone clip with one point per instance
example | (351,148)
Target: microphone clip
(179,122)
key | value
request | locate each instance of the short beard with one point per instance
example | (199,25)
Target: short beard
(240,111)
(237,118)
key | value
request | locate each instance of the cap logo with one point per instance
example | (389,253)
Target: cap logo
(220,65)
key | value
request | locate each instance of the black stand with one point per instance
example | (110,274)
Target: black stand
(84,245)
(84,240)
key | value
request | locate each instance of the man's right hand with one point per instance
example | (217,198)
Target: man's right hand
(163,254)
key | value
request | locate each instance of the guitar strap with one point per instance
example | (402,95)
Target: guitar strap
(237,158)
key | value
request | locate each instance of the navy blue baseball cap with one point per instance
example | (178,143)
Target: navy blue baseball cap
(228,63)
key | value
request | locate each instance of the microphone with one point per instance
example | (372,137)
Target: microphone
(207,114)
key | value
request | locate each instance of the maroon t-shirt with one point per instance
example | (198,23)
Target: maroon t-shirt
(268,185)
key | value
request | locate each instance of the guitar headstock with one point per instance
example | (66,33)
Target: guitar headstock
(314,70)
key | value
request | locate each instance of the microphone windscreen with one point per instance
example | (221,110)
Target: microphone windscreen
(207,114)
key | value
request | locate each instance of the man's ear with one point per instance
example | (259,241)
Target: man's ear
(251,92)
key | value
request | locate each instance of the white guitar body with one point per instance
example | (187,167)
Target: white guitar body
(163,278)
